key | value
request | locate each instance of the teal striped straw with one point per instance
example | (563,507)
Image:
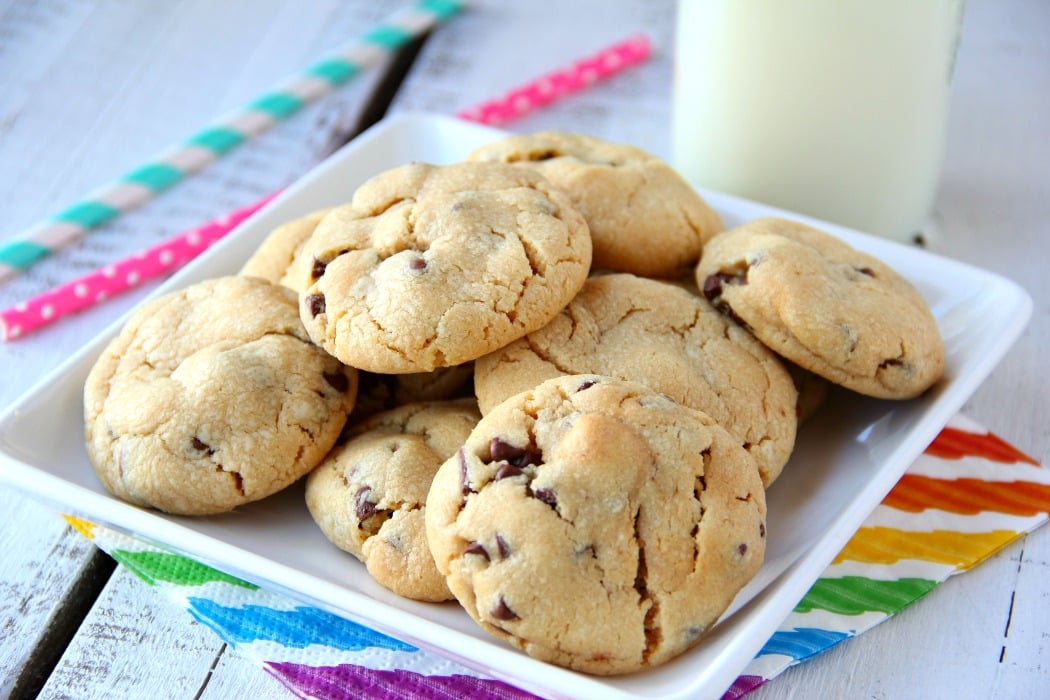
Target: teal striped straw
(208,145)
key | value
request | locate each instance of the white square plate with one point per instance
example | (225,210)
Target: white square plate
(845,461)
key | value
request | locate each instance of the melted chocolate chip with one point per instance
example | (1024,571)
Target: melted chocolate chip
(476,548)
(547,496)
(315,303)
(318,268)
(199,444)
(338,381)
(501,611)
(502,451)
(712,288)
(364,508)
(507,471)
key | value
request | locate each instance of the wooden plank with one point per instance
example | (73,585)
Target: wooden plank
(135,645)
(42,561)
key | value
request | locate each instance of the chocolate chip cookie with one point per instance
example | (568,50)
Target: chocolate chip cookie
(644,217)
(368,496)
(833,310)
(596,524)
(211,397)
(433,266)
(669,339)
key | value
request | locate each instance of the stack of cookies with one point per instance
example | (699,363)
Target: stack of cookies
(543,382)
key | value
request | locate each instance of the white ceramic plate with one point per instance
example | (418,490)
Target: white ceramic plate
(847,458)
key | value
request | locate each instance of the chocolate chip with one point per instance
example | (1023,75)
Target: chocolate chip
(547,496)
(507,471)
(712,289)
(761,529)
(502,546)
(502,611)
(338,381)
(865,271)
(417,264)
(587,384)
(318,268)
(476,548)
(199,444)
(713,284)
(315,303)
(742,549)
(464,481)
(500,450)
(364,508)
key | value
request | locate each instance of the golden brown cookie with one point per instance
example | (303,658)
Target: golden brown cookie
(211,397)
(644,217)
(368,496)
(432,266)
(596,524)
(672,341)
(831,309)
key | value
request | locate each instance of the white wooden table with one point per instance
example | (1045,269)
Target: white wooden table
(91,88)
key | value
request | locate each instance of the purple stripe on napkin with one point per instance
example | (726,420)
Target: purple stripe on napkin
(351,682)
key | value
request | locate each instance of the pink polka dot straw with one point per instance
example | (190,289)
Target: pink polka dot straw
(111,280)
(560,83)
(169,255)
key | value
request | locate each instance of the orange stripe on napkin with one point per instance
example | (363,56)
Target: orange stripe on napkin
(952,443)
(915,493)
(886,545)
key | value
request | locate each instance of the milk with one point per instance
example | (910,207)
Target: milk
(833,108)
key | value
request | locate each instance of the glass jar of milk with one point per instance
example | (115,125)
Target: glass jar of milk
(832,108)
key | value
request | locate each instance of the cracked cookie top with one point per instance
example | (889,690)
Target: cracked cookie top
(644,217)
(432,266)
(211,397)
(829,308)
(596,524)
(669,339)
(368,495)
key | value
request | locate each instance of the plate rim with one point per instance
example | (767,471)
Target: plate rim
(793,581)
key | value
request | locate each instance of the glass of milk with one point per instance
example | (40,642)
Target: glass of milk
(832,108)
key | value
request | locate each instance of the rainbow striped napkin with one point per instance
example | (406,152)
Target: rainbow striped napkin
(966,497)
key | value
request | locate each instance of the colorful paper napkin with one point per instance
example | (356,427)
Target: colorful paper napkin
(966,497)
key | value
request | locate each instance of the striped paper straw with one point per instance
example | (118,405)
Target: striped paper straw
(117,278)
(544,90)
(205,147)
(168,255)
